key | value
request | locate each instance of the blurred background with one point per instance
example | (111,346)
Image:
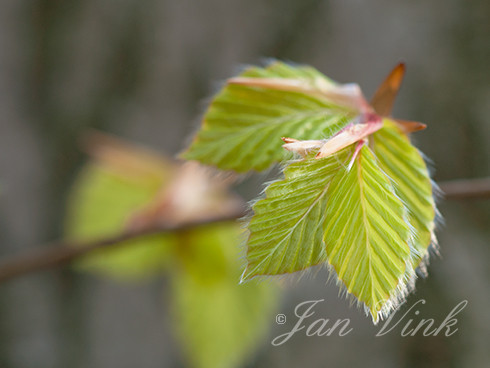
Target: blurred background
(143,70)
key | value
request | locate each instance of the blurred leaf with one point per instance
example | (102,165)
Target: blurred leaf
(194,192)
(404,165)
(218,321)
(243,126)
(100,205)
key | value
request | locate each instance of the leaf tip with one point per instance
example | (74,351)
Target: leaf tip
(245,277)
(397,75)
(384,97)
(375,317)
(410,126)
(289,140)
(184,155)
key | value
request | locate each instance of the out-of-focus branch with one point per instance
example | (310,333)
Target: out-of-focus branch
(466,188)
(61,253)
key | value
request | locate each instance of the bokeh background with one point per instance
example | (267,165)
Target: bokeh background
(143,69)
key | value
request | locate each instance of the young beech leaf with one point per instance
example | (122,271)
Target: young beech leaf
(286,231)
(340,210)
(406,168)
(243,126)
(101,202)
(125,187)
(218,321)
(366,234)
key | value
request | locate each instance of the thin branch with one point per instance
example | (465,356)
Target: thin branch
(61,253)
(466,189)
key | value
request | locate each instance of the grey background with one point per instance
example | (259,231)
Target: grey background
(141,70)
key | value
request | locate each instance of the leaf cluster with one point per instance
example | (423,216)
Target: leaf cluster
(357,196)
(123,188)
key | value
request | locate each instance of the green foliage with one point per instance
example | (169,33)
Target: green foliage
(404,165)
(218,321)
(366,236)
(101,204)
(363,206)
(324,210)
(286,231)
(243,126)
(366,211)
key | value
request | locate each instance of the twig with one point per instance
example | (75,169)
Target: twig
(61,253)
(466,188)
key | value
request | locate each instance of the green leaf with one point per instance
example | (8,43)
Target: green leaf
(286,231)
(403,163)
(219,322)
(100,205)
(243,126)
(366,234)
(325,210)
